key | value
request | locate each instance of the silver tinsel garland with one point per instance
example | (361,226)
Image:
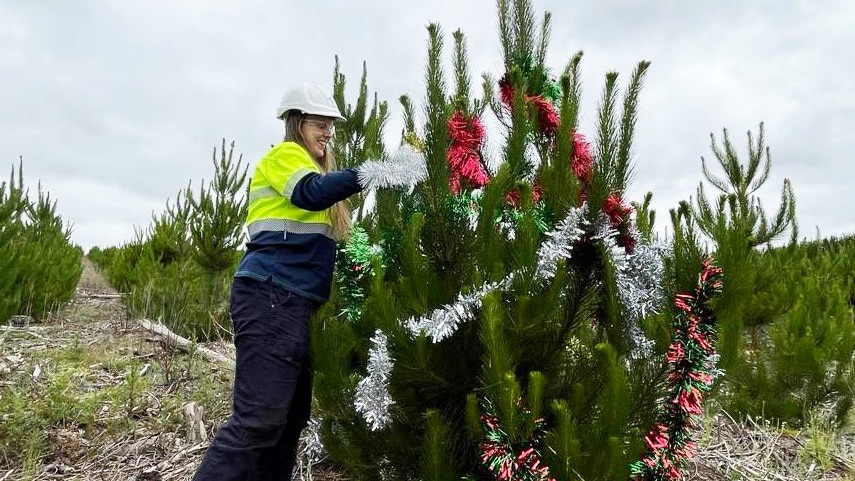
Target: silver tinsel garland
(311,448)
(406,167)
(560,242)
(638,277)
(372,398)
(441,323)
(644,274)
(372,394)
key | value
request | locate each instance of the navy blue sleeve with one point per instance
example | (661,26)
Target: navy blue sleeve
(320,191)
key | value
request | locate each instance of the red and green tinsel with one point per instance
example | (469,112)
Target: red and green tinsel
(512,461)
(670,442)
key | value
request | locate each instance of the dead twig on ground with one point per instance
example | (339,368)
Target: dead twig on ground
(185,345)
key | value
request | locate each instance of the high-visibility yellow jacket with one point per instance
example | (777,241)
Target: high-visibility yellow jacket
(289,224)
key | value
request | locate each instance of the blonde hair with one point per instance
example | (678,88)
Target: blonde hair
(340,211)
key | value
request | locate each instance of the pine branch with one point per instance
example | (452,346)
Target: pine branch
(717,182)
(357,117)
(755,154)
(572,87)
(436,129)
(732,166)
(785,215)
(488,94)
(409,117)
(506,37)
(627,129)
(767,167)
(545,34)
(704,214)
(524,34)
(461,73)
(338,89)
(604,181)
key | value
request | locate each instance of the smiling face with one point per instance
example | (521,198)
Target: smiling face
(316,132)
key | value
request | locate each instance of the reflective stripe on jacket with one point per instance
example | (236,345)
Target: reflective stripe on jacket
(270,206)
(292,246)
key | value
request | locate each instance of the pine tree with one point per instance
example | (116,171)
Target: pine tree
(500,317)
(786,331)
(178,270)
(13,203)
(215,224)
(737,224)
(360,137)
(40,266)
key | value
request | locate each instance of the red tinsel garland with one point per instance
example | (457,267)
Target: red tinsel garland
(618,213)
(547,117)
(582,162)
(616,209)
(464,160)
(669,443)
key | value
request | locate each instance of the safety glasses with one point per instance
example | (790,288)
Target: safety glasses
(326,126)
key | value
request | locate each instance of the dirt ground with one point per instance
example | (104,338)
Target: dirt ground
(730,450)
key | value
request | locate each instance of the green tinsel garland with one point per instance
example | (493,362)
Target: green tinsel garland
(353,269)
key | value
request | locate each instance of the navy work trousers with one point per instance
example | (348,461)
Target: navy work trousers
(272,389)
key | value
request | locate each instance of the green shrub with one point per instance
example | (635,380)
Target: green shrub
(40,267)
(178,271)
(785,316)
(799,341)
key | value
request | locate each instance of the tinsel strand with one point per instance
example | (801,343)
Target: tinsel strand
(372,398)
(441,323)
(559,242)
(638,277)
(509,461)
(406,167)
(311,446)
(463,155)
(691,355)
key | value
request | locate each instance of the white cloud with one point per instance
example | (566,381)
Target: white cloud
(125,101)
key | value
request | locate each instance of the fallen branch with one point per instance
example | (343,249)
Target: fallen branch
(21,329)
(185,345)
(96,295)
(31,330)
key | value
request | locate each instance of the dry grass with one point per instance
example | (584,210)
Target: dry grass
(91,281)
(105,397)
(751,450)
(137,430)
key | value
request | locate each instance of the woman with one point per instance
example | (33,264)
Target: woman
(296,214)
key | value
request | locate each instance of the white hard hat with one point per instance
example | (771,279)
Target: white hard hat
(308,98)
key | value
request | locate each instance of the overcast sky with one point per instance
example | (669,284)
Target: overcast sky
(115,106)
